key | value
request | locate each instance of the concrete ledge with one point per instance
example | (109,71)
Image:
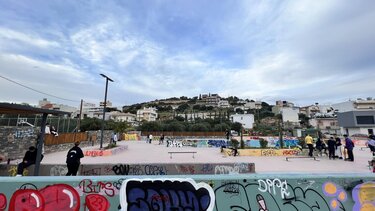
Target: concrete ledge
(137,169)
(266,152)
(191,192)
(105,152)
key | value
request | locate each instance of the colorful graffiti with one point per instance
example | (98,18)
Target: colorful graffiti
(266,152)
(130,137)
(262,192)
(107,152)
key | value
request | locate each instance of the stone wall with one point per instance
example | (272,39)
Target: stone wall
(15,141)
(190,192)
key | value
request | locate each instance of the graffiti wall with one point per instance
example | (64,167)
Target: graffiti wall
(220,193)
(267,152)
(138,169)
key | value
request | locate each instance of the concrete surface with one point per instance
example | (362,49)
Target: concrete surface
(140,152)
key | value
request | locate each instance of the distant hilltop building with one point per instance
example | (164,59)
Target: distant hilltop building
(147,114)
(209,99)
(45,104)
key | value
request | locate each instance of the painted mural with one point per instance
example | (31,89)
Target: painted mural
(137,169)
(261,192)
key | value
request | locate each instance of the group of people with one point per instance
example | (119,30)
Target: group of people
(150,137)
(333,145)
(73,158)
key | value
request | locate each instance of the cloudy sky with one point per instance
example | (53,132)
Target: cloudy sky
(301,51)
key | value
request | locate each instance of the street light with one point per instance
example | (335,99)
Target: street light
(104,107)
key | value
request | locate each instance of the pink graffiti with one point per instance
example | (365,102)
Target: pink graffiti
(3,201)
(87,186)
(97,202)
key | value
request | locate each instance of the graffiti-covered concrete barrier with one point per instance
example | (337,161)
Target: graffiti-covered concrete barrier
(137,169)
(267,152)
(190,192)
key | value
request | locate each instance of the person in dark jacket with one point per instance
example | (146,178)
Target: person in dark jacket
(319,146)
(28,160)
(338,152)
(73,159)
(349,145)
(331,148)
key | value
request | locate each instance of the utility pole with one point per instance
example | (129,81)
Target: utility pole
(104,107)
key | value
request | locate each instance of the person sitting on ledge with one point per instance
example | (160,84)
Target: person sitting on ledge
(28,160)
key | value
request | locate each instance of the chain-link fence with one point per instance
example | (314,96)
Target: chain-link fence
(61,124)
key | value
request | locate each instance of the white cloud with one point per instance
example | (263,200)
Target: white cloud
(7,35)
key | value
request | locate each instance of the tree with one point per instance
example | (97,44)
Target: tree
(150,126)
(182,107)
(237,126)
(90,124)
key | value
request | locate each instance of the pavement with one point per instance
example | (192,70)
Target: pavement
(140,152)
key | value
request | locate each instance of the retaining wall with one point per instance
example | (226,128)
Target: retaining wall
(15,141)
(190,192)
(137,169)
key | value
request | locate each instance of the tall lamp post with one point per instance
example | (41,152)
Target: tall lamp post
(104,107)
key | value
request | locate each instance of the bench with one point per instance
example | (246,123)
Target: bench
(287,158)
(170,153)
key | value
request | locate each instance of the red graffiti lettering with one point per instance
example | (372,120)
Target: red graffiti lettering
(97,202)
(107,188)
(290,152)
(94,153)
(156,197)
(3,201)
(60,197)
(26,200)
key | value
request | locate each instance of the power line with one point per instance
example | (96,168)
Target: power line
(37,90)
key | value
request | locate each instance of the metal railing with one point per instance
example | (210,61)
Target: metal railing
(61,124)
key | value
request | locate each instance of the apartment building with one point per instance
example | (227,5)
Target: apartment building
(357,122)
(147,114)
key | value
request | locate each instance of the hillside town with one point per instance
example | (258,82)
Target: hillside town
(353,117)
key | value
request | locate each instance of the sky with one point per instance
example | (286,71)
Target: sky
(303,51)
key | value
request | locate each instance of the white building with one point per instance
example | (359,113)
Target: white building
(210,99)
(253,105)
(327,125)
(223,104)
(147,114)
(290,114)
(123,117)
(247,120)
(357,122)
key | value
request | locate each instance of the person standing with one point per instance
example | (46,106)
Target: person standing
(338,152)
(161,141)
(319,146)
(115,138)
(331,148)
(28,160)
(371,144)
(349,145)
(73,159)
(309,142)
(150,138)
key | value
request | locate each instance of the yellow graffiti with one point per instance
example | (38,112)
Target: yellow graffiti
(342,196)
(367,207)
(13,171)
(367,193)
(334,203)
(330,188)
(131,137)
